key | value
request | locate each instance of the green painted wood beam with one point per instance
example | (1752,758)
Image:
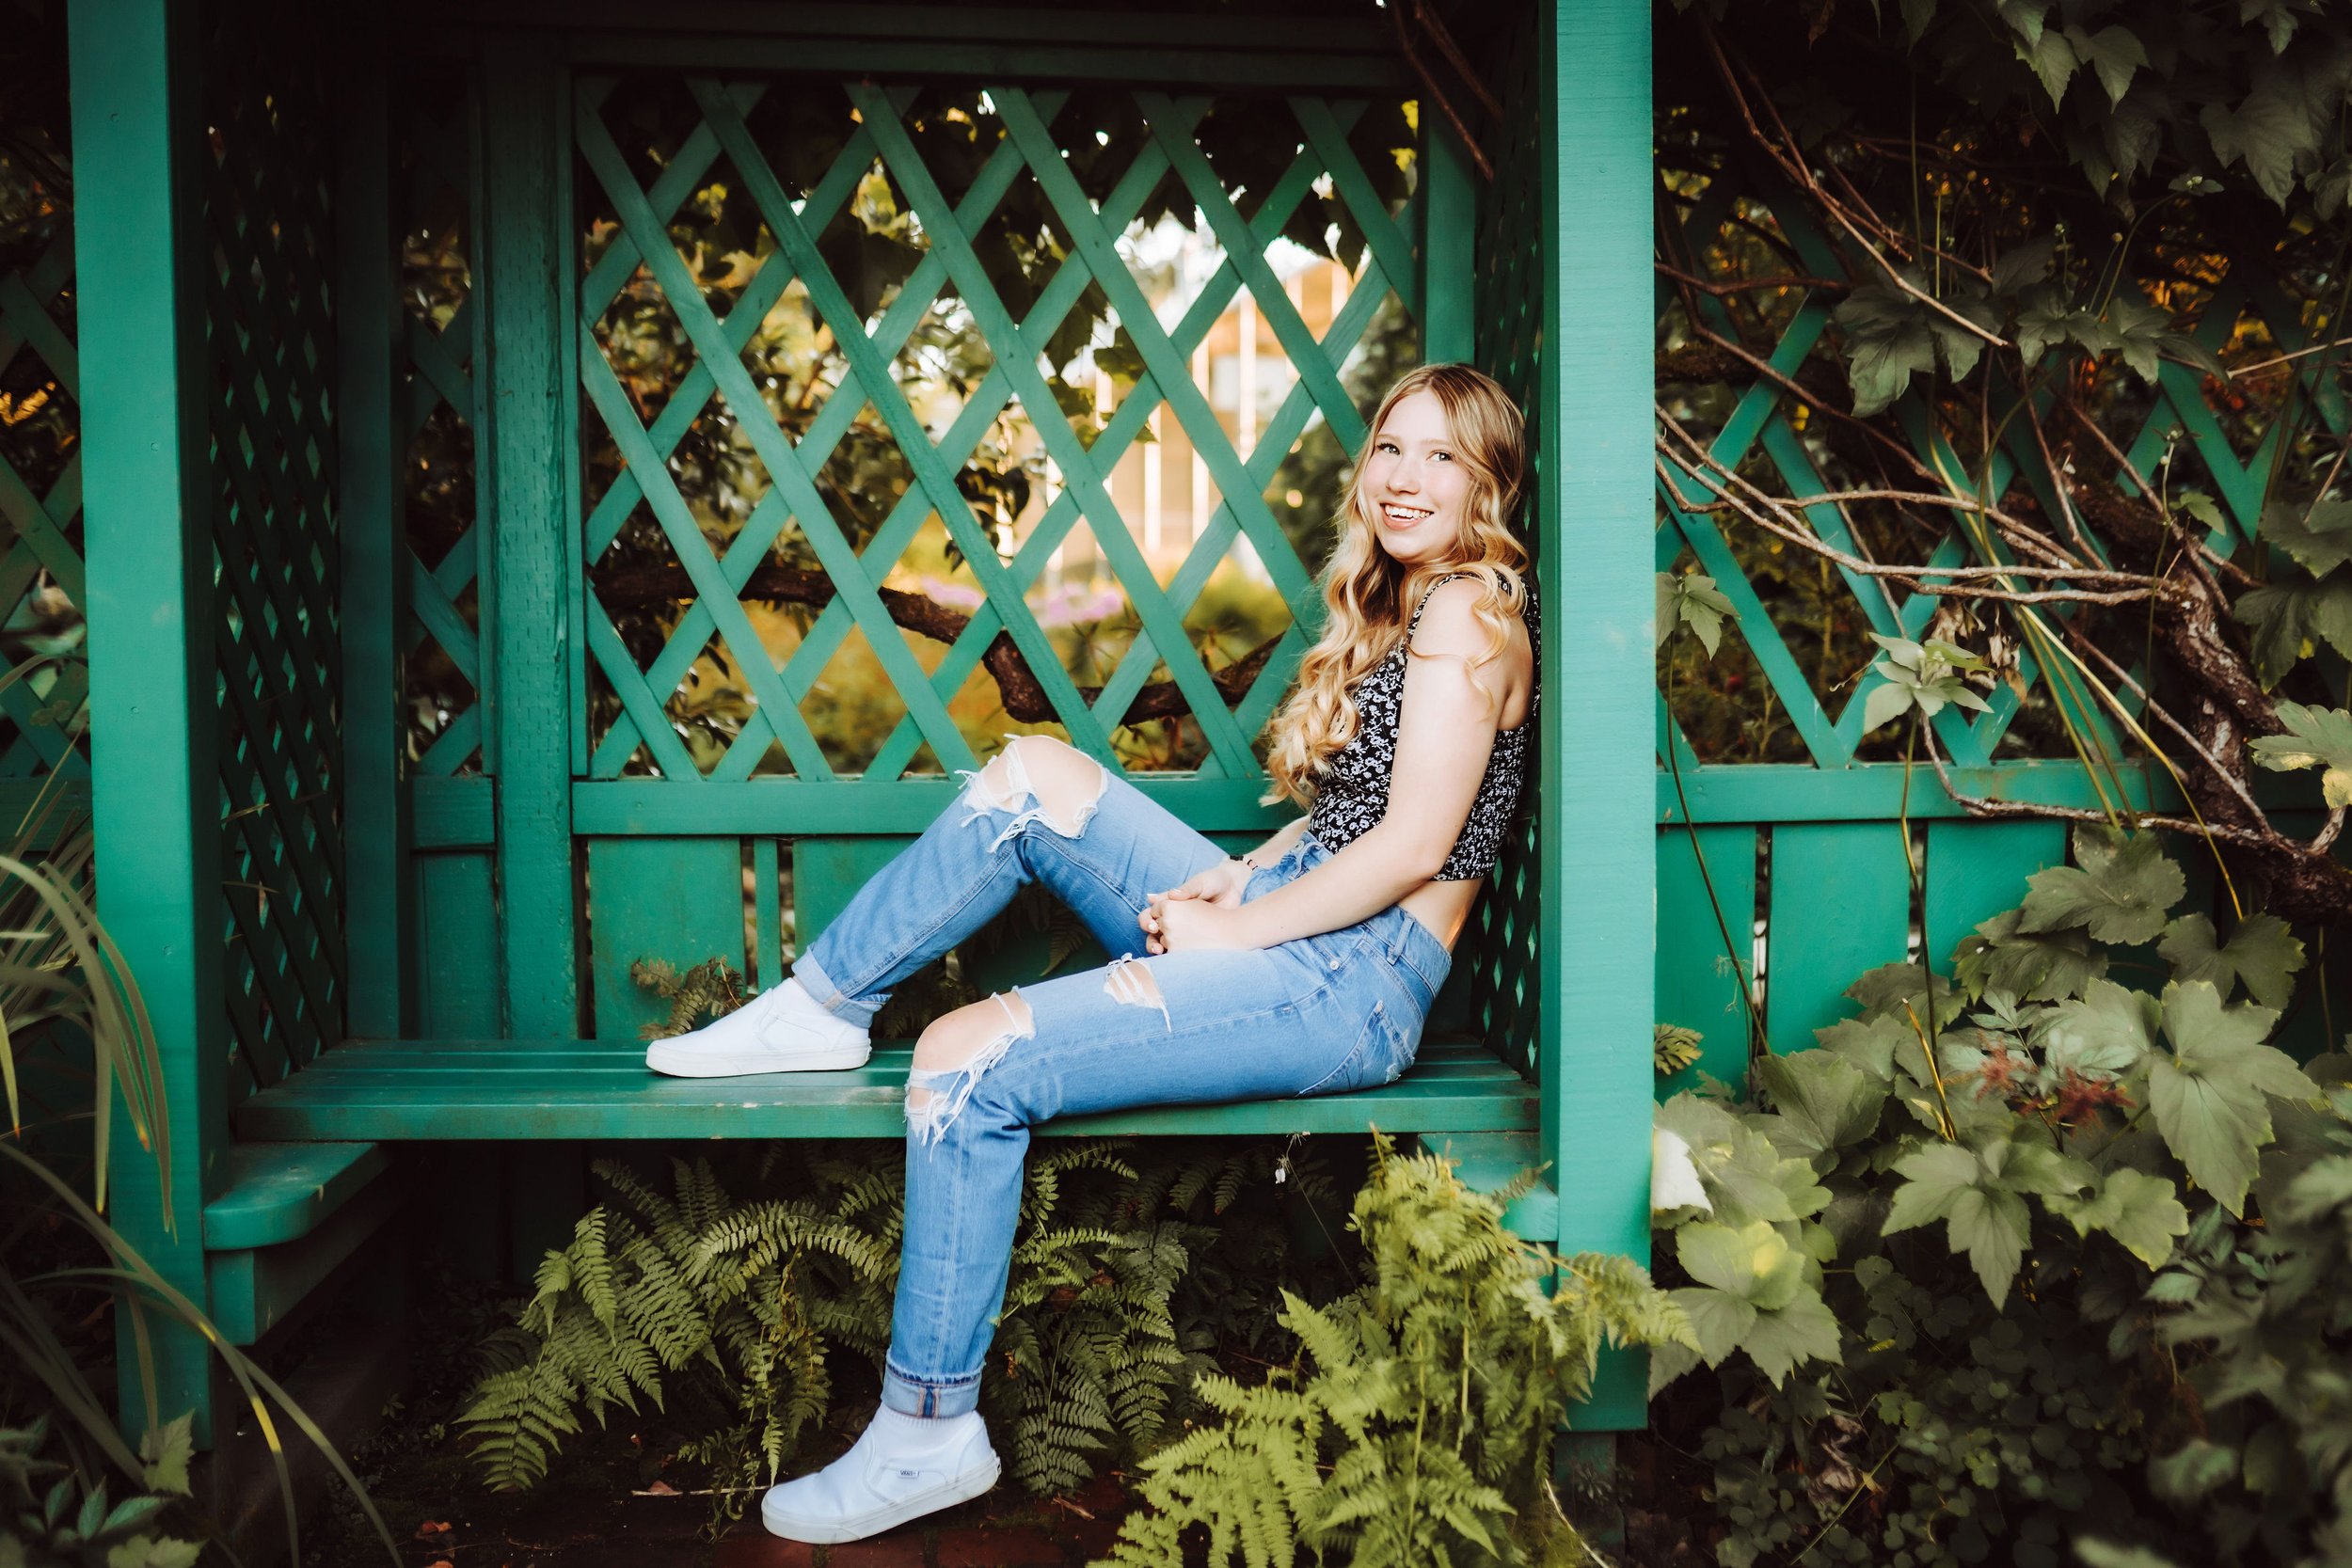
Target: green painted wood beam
(251,1290)
(1448,242)
(1786,792)
(994,60)
(1599,869)
(282,1191)
(566,1090)
(1598,872)
(526,286)
(626,807)
(371,435)
(155,791)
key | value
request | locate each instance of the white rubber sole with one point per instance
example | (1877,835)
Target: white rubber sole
(832,1532)
(706,1063)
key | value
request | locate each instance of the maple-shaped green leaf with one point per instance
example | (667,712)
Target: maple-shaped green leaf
(2211,1093)
(2317,738)
(2142,1212)
(1989,1223)
(165,1452)
(2320,540)
(2022,265)
(1753,1262)
(1692,600)
(1719,1320)
(1824,1103)
(2121,888)
(2038,966)
(2105,1034)
(2287,622)
(2263,952)
(1745,1177)
(1804,1330)
(2265,133)
(1887,342)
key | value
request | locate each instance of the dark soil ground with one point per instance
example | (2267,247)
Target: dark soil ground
(615,1500)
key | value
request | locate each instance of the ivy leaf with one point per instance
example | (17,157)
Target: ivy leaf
(2137,330)
(2202,507)
(2265,133)
(1824,1103)
(2193,1470)
(1959,347)
(1746,1178)
(1692,600)
(2120,888)
(2315,738)
(2105,1035)
(2053,60)
(2114,52)
(2038,966)
(2142,1212)
(2320,542)
(2209,1095)
(2263,952)
(1944,1181)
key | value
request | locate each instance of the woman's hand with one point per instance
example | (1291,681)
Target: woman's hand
(1174,925)
(1221,883)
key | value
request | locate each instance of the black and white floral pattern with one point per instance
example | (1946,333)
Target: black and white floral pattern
(1354,795)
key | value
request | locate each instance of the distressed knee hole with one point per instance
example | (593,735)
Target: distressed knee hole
(1037,778)
(1130,981)
(953,1053)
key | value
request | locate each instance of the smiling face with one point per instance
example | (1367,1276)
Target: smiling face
(1415,484)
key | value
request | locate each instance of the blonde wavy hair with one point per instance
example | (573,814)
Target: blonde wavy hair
(1366,592)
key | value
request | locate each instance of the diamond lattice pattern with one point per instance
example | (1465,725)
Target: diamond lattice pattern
(2188,434)
(869,376)
(41,716)
(442,643)
(268,259)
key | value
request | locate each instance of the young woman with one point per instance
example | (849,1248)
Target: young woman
(1304,967)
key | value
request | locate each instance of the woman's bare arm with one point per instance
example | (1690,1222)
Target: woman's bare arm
(1445,736)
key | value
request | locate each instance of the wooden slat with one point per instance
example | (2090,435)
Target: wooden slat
(457,953)
(282,1192)
(526,282)
(1977,869)
(1840,904)
(1699,982)
(677,901)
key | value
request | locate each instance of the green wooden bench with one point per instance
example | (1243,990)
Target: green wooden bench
(384,735)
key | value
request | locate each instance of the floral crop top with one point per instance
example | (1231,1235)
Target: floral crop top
(1353,795)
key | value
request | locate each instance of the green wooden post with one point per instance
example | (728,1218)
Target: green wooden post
(530,406)
(156,784)
(1449,246)
(1599,861)
(376,835)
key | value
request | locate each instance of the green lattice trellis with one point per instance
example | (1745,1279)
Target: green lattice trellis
(1500,949)
(2179,433)
(1018,142)
(40,498)
(267,261)
(442,643)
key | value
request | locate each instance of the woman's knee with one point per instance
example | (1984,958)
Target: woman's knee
(1047,775)
(955,1054)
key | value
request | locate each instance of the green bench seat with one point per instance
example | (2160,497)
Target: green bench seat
(407,1090)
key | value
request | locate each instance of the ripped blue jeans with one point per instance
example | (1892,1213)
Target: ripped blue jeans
(1321,1015)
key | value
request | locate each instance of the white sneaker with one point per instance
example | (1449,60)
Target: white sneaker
(780,1030)
(901,1468)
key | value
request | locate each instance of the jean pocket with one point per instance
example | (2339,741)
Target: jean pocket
(1383,1050)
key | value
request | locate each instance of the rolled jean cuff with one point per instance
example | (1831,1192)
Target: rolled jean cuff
(930,1396)
(820,987)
